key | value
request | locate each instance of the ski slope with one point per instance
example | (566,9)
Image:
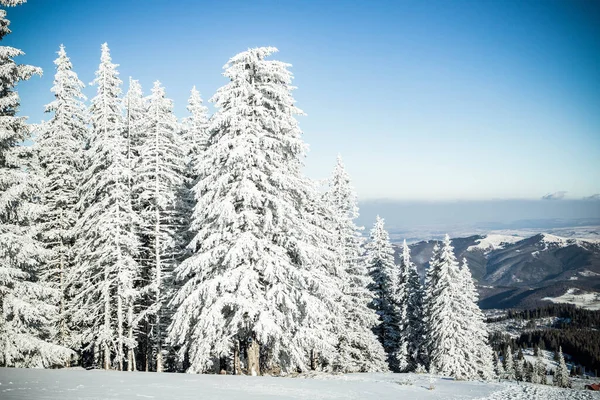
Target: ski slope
(75,384)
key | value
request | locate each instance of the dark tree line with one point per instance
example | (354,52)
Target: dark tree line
(575,329)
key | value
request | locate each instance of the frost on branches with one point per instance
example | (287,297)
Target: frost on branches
(384,275)
(159,185)
(27,305)
(103,281)
(255,294)
(358,348)
(60,151)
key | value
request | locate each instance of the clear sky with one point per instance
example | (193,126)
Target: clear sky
(436,100)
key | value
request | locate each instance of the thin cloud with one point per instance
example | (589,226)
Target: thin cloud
(555,196)
(593,197)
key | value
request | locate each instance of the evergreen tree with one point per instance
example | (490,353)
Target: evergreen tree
(444,342)
(520,373)
(159,183)
(477,350)
(256,285)
(195,132)
(539,369)
(509,365)
(135,133)
(499,368)
(27,304)
(136,112)
(104,278)
(358,349)
(384,275)
(561,374)
(409,303)
(60,151)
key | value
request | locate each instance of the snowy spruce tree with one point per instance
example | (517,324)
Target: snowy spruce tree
(561,374)
(509,365)
(159,185)
(135,134)
(442,324)
(136,112)
(255,292)
(195,132)
(539,369)
(498,367)
(385,276)
(60,151)
(409,304)
(520,371)
(478,353)
(358,349)
(106,269)
(456,336)
(27,304)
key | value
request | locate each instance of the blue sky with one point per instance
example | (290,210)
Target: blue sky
(440,100)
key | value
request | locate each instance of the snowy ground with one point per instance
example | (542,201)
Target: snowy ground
(31,384)
(590,301)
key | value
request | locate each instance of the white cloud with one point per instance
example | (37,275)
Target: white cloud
(555,196)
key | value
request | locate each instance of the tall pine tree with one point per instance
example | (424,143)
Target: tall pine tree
(444,345)
(411,352)
(104,279)
(561,374)
(159,185)
(195,131)
(60,151)
(477,350)
(358,348)
(384,273)
(256,285)
(27,304)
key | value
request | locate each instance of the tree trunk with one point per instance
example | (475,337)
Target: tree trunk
(236,358)
(313,360)
(120,350)
(105,346)
(130,353)
(254,358)
(157,253)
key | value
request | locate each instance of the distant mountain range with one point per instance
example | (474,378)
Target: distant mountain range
(519,272)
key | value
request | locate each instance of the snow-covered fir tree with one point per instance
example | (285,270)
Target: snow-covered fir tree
(256,290)
(358,349)
(410,351)
(520,372)
(539,369)
(136,111)
(106,268)
(135,134)
(59,148)
(441,322)
(159,185)
(194,136)
(385,275)
(27,305)
(509,365)
(456,335)
(499,368)
(478,352)
(195,131)
(561,374)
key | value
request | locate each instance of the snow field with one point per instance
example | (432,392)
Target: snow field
(34,384)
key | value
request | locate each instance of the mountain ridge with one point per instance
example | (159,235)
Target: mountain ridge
(516,272)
